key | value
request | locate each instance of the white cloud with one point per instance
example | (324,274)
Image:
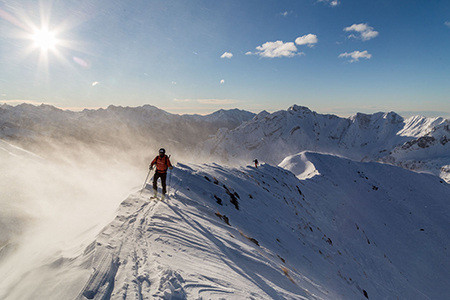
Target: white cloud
(335,3)
(227,55)
(447,23)
(182,100)
(217,101)
(332,3)
(222,81)
(284,14)
(356,55)
(95,83)
(276,49)
(309,39)
(365,31)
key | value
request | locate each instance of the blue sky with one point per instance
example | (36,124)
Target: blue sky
(338,57)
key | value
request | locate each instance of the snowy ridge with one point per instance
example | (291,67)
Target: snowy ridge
(351,230)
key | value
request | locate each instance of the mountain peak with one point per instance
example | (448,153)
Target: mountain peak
(298,108)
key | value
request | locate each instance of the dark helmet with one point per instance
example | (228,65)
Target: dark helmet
(162,151)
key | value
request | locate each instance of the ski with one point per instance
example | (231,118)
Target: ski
(157,198)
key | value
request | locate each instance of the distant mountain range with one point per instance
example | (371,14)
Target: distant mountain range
(233,136)
(135,131)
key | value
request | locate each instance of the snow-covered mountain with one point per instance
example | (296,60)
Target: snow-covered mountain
(339,230)
(417,143)
(138,131)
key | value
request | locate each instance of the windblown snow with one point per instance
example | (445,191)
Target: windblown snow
(315,226)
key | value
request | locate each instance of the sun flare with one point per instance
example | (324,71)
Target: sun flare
(44,39)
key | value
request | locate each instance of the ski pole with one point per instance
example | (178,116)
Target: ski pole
(170,180)
(145,182)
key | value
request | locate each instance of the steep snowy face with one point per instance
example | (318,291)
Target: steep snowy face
(349,231)
(428,150)
(420,126)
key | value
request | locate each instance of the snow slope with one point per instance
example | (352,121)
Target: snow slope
(340,230)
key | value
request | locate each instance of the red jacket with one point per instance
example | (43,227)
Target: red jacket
(162,163)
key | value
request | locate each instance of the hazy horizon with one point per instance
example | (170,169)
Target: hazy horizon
(342,114)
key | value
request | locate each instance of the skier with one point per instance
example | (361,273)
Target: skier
(256,163)
(162,163)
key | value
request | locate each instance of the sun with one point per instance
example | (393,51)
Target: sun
(44,39)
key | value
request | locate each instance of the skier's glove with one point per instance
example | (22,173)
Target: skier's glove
(170,168)
(150,167)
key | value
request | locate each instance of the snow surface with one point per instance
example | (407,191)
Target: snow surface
(353,231)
